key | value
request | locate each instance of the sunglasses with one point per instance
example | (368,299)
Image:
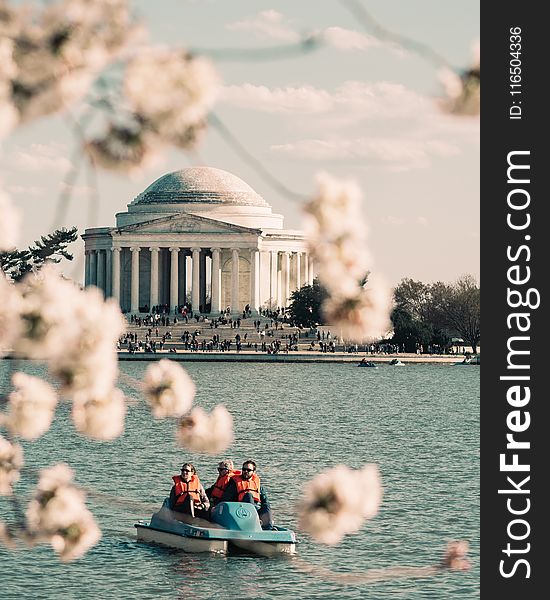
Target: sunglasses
(249,470)
(186,471)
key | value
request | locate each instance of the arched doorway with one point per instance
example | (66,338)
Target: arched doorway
(244,283)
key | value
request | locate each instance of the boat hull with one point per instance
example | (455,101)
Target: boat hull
(149,535)
(234,526)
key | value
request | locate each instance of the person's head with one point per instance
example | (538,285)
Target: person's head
(225,466)
(187,471)
(249,468)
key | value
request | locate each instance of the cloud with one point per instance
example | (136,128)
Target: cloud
(287,100)
(348,39)
(267,24)
(271,24)
(397,154)
(353,98)
(42,157)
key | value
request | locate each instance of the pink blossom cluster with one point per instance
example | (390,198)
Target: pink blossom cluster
(168,389)
(167,96)
(57,514)
(31,406)
(51,54)
(462,90)
(337,238)
(170,392)
(338,501)
(11,461)
(211,433)
(48,318)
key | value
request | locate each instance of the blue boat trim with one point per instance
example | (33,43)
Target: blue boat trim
(232,521)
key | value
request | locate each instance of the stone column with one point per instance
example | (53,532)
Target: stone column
(273,279)
(286,256)
(154,287)
(235,281)
(254,280)
(216,282)
(280,282)
(108,273)
(93,267)
(311,275)
(101,270)
(86,267)
(306,269)
(298,270)
(134,298)
(116,274)
(202,280)
(173,279)
(182,276)
(195,284)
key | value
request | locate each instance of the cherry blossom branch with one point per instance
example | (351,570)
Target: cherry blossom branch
(371,576)
(306,45)
(363,16)
(67,190)
(252,161)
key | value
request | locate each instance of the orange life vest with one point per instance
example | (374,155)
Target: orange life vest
(184,488)
(251,485)
(221,483)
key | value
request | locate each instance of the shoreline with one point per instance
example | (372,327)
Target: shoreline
(282,357)
(291,357)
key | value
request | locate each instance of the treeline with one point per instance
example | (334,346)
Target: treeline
(15,264)
(426,314)
(434,313)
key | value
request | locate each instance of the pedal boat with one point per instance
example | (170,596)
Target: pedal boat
(233,526)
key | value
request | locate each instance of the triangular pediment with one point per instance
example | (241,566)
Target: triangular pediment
(185,223)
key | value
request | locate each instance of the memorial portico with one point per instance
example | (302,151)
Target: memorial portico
(201,237)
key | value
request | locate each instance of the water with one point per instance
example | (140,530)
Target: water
(419,423)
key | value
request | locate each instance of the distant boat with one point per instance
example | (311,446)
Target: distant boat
(367,363)
(470,360)
(395,362)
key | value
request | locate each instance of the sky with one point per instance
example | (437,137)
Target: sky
(358,108)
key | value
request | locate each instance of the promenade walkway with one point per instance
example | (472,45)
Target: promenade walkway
(251,343)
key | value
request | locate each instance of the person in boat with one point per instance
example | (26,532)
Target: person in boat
(247,487)
(187,494)
(225,472)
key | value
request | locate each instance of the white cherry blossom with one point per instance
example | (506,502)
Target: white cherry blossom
(11,461)
(168,389)
(100,418)
(57,514)
(209,433)
(172,91)
(337,239)
(31,406)
(338,501)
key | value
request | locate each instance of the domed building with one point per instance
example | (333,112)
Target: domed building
(200,236)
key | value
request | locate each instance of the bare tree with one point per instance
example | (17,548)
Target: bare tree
(457,307)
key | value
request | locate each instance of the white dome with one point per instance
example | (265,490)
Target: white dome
(200,185)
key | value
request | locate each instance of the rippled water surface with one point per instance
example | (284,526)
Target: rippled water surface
(419,423)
